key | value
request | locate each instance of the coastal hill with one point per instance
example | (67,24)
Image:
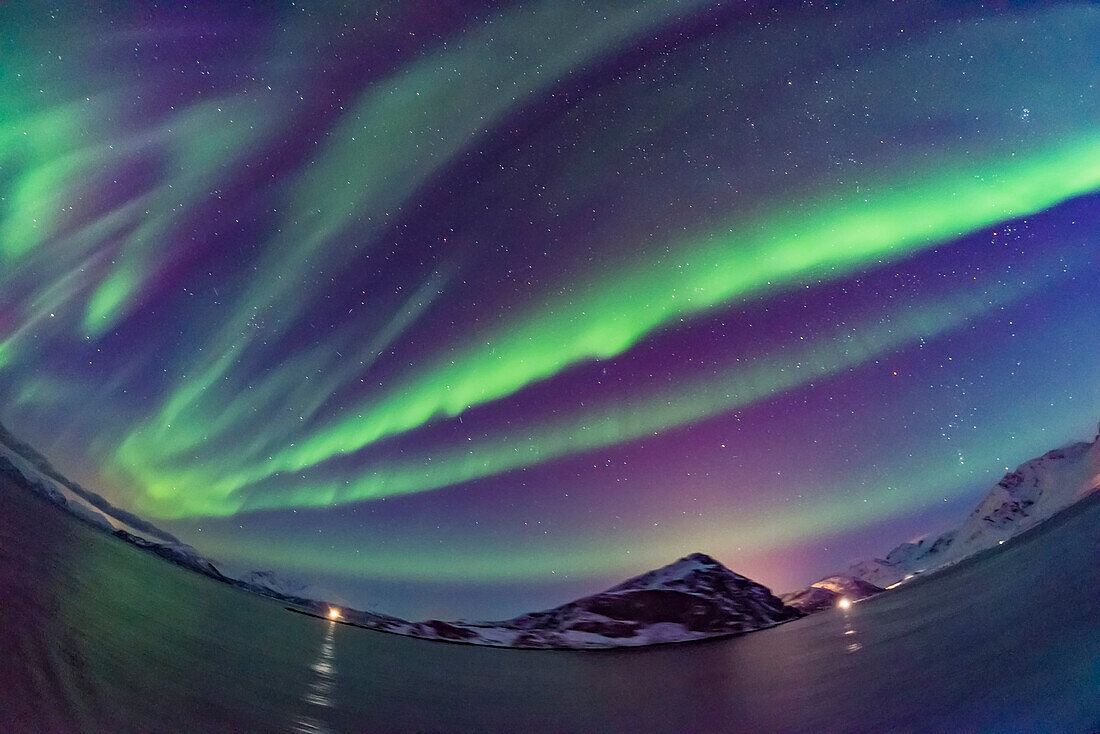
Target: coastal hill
(693,598)
(828,593)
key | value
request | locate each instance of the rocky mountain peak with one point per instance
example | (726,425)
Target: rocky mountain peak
(697,572)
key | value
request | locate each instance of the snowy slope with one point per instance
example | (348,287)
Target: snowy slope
(273,583)
(1037,490)
(847,586)
(811,600)
(295,591)
(15,467)
(827,593)
(30,470)
(40,475)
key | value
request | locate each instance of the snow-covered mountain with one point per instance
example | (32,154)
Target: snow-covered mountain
(847,586)
(811,600)
(692,598)
(1037,490)
(180,554)
(16,469)
(27,468)
(278,586)
(25,472)
(40,475)
(272,582)
(827,593)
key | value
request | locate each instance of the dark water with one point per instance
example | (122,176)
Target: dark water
(97,636)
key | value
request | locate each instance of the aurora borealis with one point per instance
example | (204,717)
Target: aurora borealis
(461,308)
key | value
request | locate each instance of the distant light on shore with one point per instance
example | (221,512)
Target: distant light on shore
(333,613)
(845,603)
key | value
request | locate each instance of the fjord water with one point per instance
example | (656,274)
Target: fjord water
(98,636)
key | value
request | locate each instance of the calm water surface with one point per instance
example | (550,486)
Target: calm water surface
(98,636)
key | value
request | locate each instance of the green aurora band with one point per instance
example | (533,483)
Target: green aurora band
(376,161)
(821,239)
(600,425)
(184,456)
(816,517)
(53,150)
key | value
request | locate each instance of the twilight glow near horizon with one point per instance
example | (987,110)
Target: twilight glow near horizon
(469,308)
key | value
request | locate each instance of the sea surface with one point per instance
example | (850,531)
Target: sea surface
(96,635)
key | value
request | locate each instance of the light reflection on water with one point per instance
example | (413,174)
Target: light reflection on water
(319,693)
(849,631)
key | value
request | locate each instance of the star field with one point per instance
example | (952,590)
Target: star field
(461,308)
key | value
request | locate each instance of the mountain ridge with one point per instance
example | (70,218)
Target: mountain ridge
(1035,491)
(694,597)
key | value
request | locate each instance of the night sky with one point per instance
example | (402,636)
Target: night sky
(464,309)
